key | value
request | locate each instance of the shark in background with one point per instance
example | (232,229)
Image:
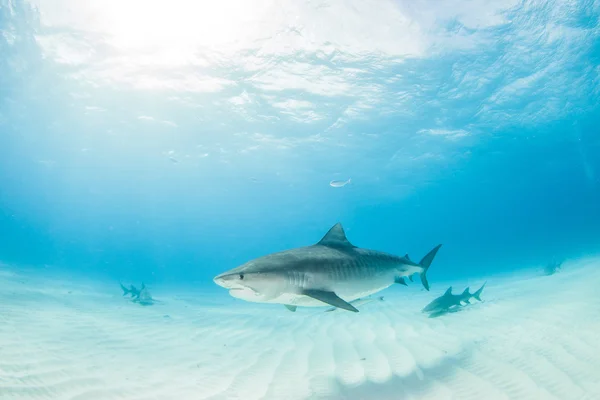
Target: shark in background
(449,302)
(331,272)
(144,297)
(132,290)
(141,296)
(552,267)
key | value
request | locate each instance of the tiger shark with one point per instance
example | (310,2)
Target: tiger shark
(331,272)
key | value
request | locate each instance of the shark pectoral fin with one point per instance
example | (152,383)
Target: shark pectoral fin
(291,308)
(329,298)
(410,277)
(400,280)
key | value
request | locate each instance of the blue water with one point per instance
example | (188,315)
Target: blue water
(482,134)
(168,145)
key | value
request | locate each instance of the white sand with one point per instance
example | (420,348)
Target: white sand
(533,337)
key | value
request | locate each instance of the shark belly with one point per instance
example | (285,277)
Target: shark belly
(347,289)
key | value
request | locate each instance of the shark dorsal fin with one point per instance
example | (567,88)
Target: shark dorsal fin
(336,237)
(449,291)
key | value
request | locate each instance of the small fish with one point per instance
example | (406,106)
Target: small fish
(338,184)
(173,160)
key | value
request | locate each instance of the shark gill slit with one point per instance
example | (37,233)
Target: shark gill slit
(296,279)
(349,270)
(341,273)
(364,268)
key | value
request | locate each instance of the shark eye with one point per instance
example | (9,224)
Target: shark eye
(242,276)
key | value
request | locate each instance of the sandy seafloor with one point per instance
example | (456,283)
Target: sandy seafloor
(533,337)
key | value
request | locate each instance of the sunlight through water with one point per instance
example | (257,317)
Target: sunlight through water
(148,147)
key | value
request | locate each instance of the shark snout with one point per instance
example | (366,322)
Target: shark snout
(223,280)
(229,281)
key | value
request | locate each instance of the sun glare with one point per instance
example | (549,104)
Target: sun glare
(140,25)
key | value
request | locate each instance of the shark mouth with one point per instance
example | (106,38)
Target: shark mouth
(240,289)
(244,293)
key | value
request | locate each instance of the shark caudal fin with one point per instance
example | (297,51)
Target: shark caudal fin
(425,263)
(477,293)
(124,289)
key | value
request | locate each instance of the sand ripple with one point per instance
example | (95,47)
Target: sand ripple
(533,338)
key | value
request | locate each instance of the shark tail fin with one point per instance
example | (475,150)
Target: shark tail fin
(425,263)
(124,289)
(478,292)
